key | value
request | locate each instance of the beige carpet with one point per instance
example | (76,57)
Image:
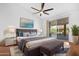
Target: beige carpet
(15,51)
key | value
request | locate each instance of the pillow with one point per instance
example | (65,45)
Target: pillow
(26,34)
(28,46)
(21,34)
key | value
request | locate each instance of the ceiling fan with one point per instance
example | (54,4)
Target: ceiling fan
(42,10)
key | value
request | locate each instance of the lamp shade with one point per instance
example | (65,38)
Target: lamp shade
(39,31)
(66,44)
(10,31)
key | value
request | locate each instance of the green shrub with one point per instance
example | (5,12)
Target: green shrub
(75,30)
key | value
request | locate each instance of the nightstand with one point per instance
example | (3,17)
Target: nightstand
(2,43)
(5,51)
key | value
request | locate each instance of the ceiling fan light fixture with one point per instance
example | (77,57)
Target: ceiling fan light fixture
(41,11)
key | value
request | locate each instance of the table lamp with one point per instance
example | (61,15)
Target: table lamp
(10,31)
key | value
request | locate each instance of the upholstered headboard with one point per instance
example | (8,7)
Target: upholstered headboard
(25,32)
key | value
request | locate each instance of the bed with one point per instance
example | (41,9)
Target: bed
(32,48)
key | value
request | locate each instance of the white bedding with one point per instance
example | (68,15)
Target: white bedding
(20,38)
(36,43)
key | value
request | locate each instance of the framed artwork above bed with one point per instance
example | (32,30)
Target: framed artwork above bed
(26,23)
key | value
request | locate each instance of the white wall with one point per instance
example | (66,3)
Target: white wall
(73,19)
(10,16)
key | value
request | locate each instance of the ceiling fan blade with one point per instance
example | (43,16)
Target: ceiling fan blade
(35,8)
(42,6)
(48,9)
(46,13)
(37,12)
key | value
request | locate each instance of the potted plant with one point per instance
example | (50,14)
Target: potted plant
(75,33)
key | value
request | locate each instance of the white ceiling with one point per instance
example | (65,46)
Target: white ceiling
(58,8)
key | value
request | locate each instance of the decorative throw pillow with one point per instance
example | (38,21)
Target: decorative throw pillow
(26,34)
(21,34)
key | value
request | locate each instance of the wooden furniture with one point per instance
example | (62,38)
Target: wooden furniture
(73,50)
(4,51)
(2,43)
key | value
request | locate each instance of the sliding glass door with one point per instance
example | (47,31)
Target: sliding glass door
(53,29)
(59,28)
(63,32)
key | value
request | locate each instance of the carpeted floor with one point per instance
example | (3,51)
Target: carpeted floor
(15,51)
